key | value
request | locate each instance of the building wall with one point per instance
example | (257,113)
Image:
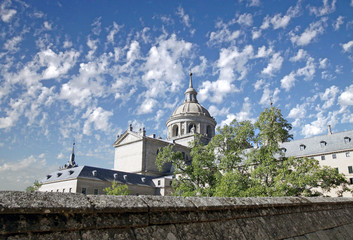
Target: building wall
(129,156)
(61,186)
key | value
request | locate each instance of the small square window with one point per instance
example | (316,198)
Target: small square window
(63,189)
(348,154)
(334,156)
(95,192)
(322,157)
(84,190)
(350,169)
(337,170)
(70,189)
(159,182)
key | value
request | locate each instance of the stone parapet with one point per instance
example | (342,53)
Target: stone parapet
(77,216)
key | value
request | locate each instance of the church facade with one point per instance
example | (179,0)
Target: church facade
(135,155)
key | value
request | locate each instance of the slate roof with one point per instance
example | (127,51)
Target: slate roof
(101,174)
(319,145)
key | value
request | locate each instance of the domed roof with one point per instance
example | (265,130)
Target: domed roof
(191,108)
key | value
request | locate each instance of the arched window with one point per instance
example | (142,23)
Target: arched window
(175,131)
(209,131)
(192,128)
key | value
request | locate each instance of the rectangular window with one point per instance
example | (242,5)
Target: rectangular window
(334,156)
(348,154)
(63,189)
(322,157)
(70,189)
(351,180)
(337,169)
(84,190)
(159,182)
(350,169)
(95,192)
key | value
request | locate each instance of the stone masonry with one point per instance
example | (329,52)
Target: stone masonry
(76,216)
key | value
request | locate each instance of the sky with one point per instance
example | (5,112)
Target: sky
(84,70)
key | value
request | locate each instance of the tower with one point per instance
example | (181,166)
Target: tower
(189,119)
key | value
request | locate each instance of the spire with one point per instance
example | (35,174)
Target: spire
(72,157)
(190,93)
(190,84)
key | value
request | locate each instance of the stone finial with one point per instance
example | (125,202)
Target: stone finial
(130,127)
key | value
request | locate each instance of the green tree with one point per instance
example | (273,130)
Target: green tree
(36,185)
(117,189)
(228,166)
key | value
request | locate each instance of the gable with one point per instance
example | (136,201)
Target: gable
(126,138)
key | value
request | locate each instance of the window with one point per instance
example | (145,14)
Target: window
(57,190)
(302,147)
(337,170)
(209,131)
(175,131)
(63,189)
(322,157)
(95,192)
(283,150)
(84,190)
(347,139)
(70,190)
(323,144)
(170,183)
(351,180)
(348,154)
(350,169)
(192,128)
(334,156)
(159,182)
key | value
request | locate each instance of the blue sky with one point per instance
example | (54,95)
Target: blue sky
(85,70)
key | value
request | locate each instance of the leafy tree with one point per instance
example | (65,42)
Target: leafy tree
(228,166)
(36,185)
(117,189)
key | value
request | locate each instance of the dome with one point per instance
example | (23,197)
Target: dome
(191,108)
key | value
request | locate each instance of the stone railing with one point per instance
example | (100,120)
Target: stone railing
(77,216)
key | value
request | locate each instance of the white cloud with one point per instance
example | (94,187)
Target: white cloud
(228,120)
(315,127)
(113,31)
(301,54)
(256,33)
(231,61)
(346,98)
(323,63)
(245,113)
(347,46)
(17,175)
(258,84)
(11,44)
(269,96)
(245,19)
(337,24)
(47,25)
(279,20)
(274,65)
(215,111)
(184,17)
(327,8)
(99,118)
(308,71)
(199,70)
(287,82)
(5,13)
(147,106)
(262,52)
(297,112)
(223,34)
(309,33)
(56,64)
(329,96)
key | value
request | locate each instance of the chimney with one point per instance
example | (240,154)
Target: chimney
(329,129)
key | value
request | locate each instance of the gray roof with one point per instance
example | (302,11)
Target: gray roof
(318,145)
(102,174)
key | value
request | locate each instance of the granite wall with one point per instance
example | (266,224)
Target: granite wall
(76,216)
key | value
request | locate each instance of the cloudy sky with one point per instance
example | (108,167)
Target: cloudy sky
(84,70)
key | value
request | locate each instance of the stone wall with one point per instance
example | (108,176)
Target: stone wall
(76,216)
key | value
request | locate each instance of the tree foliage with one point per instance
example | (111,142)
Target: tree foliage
(36,185)
(230,166)
(117,189)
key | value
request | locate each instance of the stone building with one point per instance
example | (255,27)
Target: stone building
(135,155)
(333,149)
